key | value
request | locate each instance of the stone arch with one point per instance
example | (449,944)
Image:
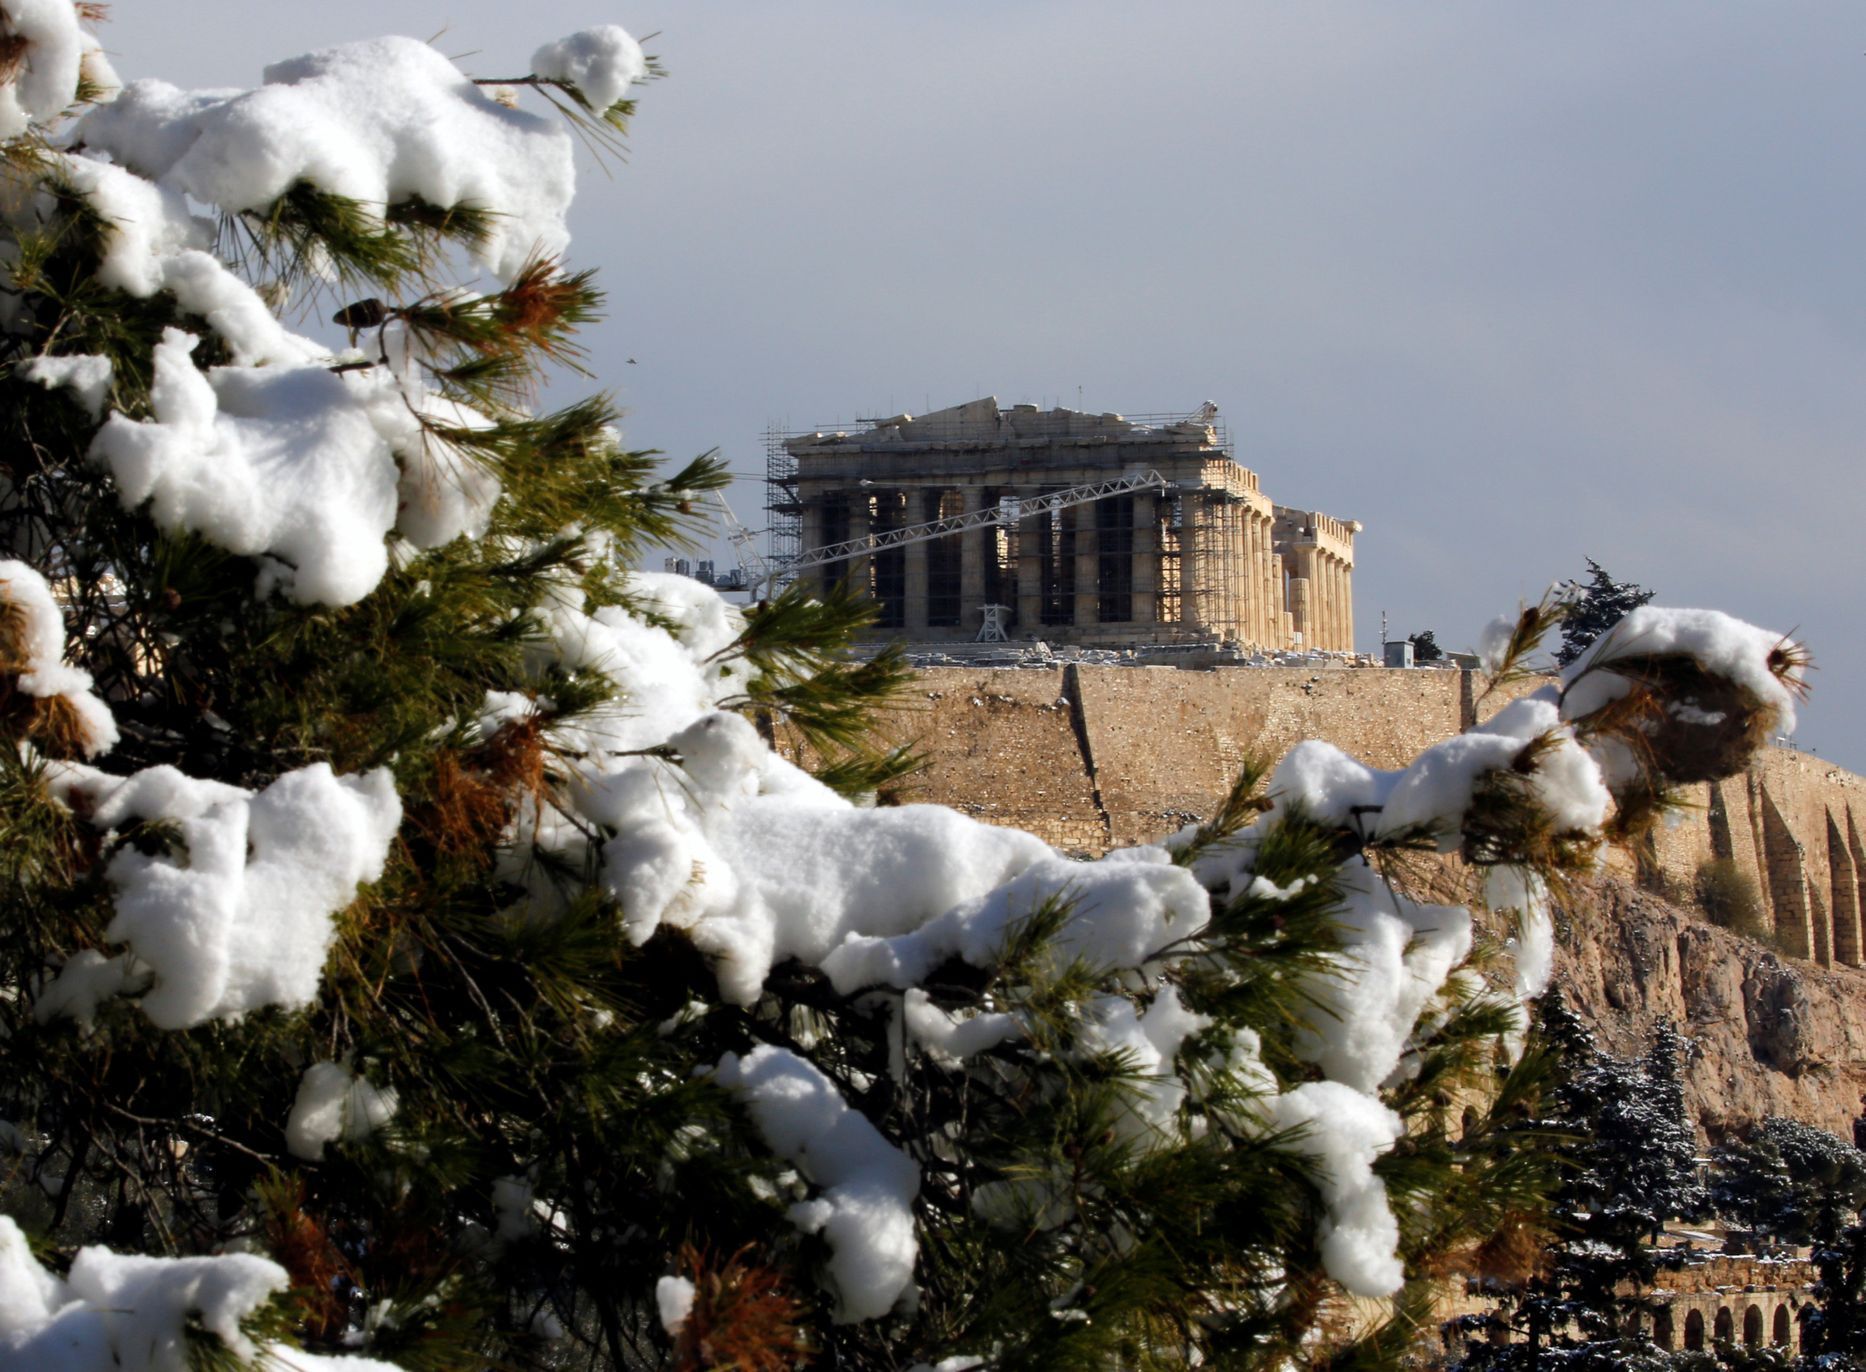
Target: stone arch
(1843,885)
(1663,1333)
(1781,1331)
(1752,1327)
(1694,1330)
(1724,1330)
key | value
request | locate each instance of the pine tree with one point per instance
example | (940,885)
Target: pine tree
(1627,1164)
(1598,605)
(1787,1180)
(417,956)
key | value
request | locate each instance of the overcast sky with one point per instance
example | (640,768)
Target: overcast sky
(1515,285)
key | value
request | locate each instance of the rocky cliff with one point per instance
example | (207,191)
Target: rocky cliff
(1774,1035)
(1099,757)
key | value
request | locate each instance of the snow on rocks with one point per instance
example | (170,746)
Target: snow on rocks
(242,917)
(599,63)
(32,650)
(332,1104)
(865,1211)
(377,122)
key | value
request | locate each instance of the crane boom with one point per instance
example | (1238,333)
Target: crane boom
(1004,512)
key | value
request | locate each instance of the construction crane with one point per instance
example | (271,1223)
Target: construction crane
(753,568)
(1007,511)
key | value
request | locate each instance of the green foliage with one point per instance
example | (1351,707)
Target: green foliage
(1627,1157)
(1787,1180)
(1425,646)
(561,1143)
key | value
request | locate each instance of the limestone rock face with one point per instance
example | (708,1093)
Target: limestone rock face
(1773,1035)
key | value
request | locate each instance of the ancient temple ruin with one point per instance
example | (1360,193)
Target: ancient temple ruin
(1076,528)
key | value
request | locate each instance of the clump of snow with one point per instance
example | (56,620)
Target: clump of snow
(1395,956)
(32,649)
(50,63)
(119,1312)
(673,1301)
(948,1038)
(600,63)
(1434,793)
(294,464)
(242,918)
(1512,888)
(378,122)
(1149,1044)
(86,981)
(332,1104)
(86,374)
(1120,915)
(1493,642)
(1344,1130)
(865,1211)
(1723,646)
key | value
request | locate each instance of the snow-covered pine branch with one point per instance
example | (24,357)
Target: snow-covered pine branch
(415,951)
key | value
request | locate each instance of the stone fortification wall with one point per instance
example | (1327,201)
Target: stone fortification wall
(1094,757)
(1097,757)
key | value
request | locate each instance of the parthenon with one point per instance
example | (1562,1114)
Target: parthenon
(1200,555)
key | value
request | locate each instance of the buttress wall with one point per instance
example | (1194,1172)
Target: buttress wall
(1092,758)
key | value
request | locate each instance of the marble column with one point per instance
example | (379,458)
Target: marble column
(914,566)
(975,545)
(1087,566)
(1030,573)
(1146,559)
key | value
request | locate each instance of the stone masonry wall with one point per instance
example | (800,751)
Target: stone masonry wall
(1097,757)
(1092,758)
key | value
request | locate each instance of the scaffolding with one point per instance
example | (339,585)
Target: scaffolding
(785,531)
(1216,546)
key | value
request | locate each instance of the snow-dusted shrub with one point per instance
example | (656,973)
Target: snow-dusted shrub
(414,945)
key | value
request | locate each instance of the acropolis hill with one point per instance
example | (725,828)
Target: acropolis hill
(1094,757)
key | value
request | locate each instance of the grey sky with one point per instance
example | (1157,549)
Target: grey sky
(1513,284)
